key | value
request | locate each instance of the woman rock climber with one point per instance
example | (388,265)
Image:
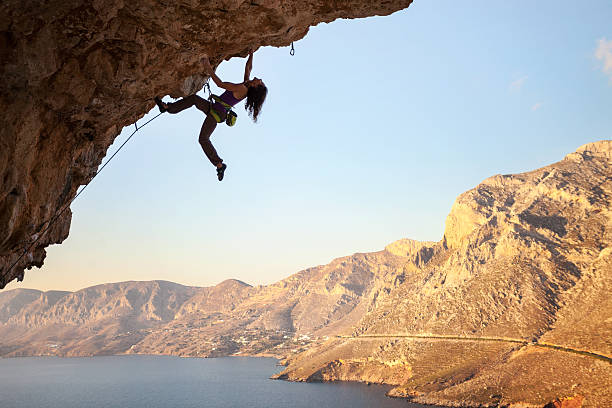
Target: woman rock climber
(253,89)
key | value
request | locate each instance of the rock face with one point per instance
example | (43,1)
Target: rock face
(75,72)
(526,258)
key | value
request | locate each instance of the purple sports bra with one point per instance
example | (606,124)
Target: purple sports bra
(227,97)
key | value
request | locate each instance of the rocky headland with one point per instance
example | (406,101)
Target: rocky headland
(511,308)
(524,271)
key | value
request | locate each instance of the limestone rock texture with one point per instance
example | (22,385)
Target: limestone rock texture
(75,72)
(524,257)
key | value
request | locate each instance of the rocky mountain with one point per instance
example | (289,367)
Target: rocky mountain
(521,278)
(511,308)
(75,72)
(102,319)
(166,318)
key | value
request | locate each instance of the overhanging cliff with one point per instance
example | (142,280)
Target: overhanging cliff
(74,73)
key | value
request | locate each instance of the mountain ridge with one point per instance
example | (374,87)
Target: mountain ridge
(304,303)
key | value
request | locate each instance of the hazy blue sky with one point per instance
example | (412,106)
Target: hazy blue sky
(368,134)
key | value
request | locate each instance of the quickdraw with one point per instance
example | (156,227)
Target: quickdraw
(230,116)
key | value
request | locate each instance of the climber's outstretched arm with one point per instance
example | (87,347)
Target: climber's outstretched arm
(248,67)
(225,85)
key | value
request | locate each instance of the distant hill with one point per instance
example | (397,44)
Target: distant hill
(159,317)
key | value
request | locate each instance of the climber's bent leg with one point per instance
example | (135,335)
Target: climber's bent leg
(184,103)
(208,127)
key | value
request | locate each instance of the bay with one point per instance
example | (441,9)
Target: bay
(162,381)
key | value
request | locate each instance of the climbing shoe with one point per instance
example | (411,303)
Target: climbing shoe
(221,171)
(160,104)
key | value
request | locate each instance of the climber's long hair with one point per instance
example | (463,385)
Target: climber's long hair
(256,95)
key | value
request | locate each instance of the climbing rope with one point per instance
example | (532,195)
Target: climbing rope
(292,51)
(61,211)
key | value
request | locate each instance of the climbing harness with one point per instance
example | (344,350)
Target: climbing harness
(53,219)
(230,116)
(292,51)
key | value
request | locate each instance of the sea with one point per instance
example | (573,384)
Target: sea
(137,381)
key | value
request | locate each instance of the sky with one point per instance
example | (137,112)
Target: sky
(367,136)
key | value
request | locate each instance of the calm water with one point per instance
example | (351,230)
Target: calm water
(152,381)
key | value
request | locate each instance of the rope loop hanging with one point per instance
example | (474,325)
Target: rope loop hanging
(292,52)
